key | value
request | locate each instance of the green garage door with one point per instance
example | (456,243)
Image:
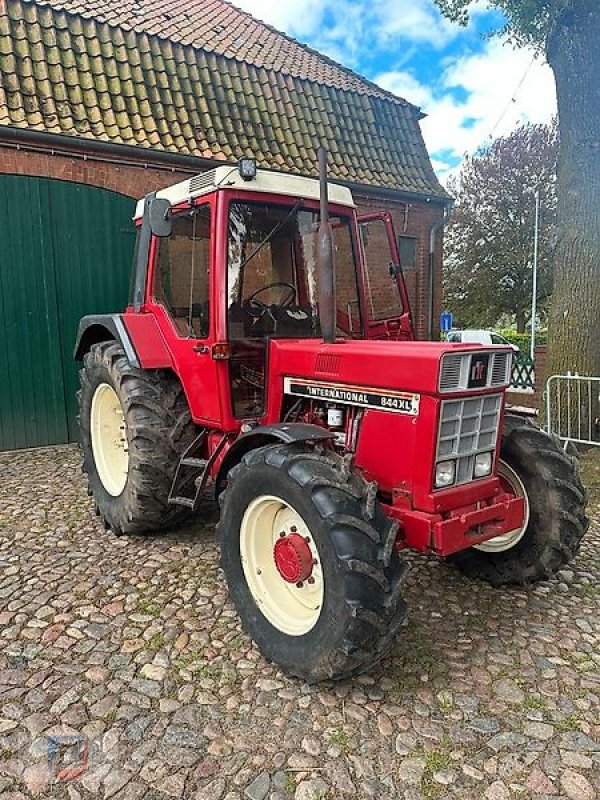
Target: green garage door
(65,251)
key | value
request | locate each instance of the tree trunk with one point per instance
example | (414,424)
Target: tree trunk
(520,321)
(573,52)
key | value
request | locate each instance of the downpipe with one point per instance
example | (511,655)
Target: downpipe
(435,228)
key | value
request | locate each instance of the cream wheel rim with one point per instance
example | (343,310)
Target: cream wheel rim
(499,544)
(109,439)
(292,608)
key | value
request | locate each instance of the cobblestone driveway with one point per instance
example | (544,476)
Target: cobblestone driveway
(131,644)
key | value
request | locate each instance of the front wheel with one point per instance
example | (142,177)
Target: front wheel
(310,562)
(533,466)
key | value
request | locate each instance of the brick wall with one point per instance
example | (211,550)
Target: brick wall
(135,180)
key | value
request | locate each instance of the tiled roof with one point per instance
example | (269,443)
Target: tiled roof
(219,27)
(66,73)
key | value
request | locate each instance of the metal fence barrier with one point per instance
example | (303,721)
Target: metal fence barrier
(523,372)
(573,408)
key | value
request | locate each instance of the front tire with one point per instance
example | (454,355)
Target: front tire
(310,562)
(134,426)
(533,464)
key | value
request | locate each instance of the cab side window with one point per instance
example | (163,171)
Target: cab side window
(182,271)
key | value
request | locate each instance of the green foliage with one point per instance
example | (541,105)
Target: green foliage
(523,340)
(528,21)
(489,241)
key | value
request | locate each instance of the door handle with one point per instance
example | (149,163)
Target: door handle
(201,348)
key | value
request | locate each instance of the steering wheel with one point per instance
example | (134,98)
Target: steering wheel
(256,305)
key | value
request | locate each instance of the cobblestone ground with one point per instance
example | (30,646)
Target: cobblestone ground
(131,644)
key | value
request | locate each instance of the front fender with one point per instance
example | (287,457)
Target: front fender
(283,432)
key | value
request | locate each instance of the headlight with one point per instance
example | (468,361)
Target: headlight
(483,465)
(445,473)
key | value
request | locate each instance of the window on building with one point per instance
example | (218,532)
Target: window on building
(407,249)
(181,273)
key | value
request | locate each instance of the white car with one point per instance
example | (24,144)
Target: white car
(479,337)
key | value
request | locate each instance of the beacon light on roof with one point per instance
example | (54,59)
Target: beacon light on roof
(247,168)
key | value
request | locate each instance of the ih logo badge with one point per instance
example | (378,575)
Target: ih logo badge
(479,370)
(67,756)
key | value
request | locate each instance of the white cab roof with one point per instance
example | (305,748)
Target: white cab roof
(265,181)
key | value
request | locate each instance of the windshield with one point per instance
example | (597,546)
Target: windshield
(272,280)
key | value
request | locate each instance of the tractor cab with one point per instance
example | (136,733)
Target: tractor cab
(228,262)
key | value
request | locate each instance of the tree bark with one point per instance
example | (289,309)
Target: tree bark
(573,51)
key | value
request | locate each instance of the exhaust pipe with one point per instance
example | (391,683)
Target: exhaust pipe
(325,258)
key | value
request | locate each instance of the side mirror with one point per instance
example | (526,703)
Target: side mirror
(161,221)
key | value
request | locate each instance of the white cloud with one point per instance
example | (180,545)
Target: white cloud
(300,18)
(350,26)
(494,103)
(413,20)
(404,84)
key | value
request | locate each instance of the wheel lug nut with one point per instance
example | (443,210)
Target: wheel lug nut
(311,580)
(282,535)
(307,539)
(299,585)
(293,529)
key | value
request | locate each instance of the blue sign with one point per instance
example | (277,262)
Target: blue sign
(446,320)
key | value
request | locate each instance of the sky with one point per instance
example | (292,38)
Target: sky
(472,87)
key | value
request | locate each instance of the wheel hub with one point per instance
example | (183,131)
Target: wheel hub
(293,558)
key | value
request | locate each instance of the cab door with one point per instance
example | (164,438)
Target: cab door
(180,294)
(387,306)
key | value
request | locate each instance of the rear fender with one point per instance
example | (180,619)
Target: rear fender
(284,433)
(96,328)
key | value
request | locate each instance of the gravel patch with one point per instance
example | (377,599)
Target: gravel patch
(124,674)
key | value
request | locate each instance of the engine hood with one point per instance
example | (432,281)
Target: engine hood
(403,366)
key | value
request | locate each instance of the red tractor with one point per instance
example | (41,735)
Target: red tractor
(268,355)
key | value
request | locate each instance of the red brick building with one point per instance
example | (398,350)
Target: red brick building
(101,102)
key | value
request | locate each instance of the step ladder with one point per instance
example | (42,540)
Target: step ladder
(190,476)
(192,473)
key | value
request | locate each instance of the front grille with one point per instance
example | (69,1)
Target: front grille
(468,427)
(450,375)
(455,369)
(500,368)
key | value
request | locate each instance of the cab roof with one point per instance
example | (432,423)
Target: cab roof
(265,181)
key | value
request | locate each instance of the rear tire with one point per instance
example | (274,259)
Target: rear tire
(131,487)
(353,608)
(556,501)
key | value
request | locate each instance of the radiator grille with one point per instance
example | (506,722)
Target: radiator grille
(500,368)
(454,371)
(468,427)
(450,375)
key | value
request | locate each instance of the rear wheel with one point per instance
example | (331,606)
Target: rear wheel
(310,562)
(534,466)
(134,426)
